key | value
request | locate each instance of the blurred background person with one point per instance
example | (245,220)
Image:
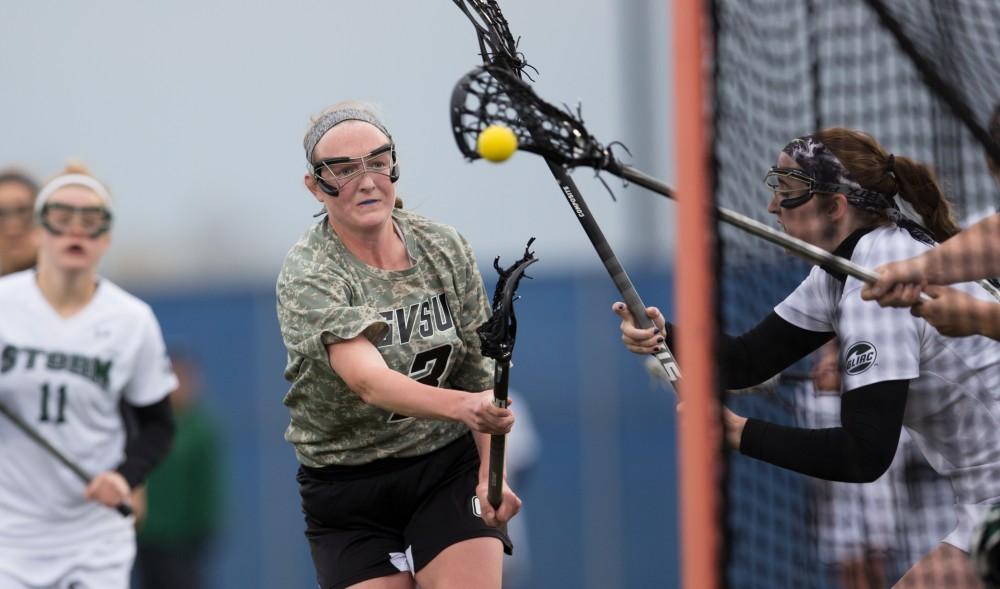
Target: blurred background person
(75,346)
(183,493)
(18,230)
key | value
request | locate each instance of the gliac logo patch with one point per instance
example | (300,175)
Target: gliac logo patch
(860,357)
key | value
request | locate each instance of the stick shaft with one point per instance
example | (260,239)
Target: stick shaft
(28,430)
(618,275)
(498,442)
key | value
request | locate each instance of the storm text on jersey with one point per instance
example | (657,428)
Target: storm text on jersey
(93,369)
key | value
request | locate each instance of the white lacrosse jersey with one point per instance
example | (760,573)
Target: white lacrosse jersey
(65,377)
(952,410)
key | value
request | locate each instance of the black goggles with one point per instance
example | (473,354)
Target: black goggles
(795,188)
(58,218)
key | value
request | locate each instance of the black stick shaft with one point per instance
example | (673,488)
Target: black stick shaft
(122,508)
(498,442)
(624,284)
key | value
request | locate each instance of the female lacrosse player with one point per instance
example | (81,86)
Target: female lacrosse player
(378,309)
(835,190)
(73,346)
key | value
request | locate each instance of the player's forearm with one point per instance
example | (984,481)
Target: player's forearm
(989,319)
(858,451)
(971,255)
(154,440)
(392,391)
(771,346)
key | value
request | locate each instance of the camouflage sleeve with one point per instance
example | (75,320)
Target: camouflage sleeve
(317,308)
(474,372)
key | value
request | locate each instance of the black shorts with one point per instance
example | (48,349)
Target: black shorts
(367,521)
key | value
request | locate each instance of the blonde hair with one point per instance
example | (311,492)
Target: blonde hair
(75,166)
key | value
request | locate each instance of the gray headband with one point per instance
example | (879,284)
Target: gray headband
(334,118)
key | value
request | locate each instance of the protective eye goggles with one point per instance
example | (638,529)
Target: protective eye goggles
(795,188)
(58,218)
(334,173)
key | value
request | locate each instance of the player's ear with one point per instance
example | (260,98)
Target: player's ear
(838,207)
(310,181)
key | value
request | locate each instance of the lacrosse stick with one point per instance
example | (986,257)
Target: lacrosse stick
(499,52)
(496,43)
(496,338)
(123,508)
(491,95)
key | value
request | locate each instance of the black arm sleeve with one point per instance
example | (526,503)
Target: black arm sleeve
(857,452)
(771,346)
(155,435)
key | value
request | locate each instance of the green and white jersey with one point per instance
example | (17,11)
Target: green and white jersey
(423,320)
(66,377)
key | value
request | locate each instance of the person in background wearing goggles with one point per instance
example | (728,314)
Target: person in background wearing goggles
(74,348)
(18,231)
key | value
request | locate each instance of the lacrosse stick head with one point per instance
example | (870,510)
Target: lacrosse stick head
(496,43)
(497,335)
(491,95)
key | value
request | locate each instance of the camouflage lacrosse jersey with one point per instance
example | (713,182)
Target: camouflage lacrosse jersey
(423,320)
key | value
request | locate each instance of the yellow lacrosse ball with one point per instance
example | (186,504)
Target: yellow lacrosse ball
(496,143)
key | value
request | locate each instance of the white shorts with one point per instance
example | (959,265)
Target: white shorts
(112,577)
(105,563)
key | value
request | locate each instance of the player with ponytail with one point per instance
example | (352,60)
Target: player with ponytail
(837,189)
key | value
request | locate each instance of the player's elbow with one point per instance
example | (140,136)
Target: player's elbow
(364,388)
(367,385)
(872,465)
(871,474)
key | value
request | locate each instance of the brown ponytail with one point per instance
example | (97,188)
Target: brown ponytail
(869,164)
(919,187)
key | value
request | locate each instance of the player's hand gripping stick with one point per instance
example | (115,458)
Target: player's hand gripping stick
(123,508)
